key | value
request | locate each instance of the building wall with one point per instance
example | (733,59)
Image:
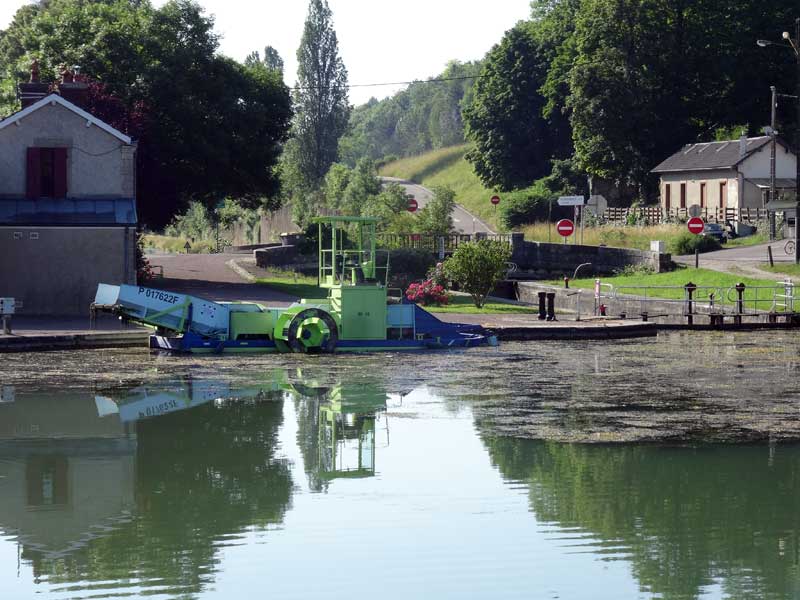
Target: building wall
(694,181)
(55,270)
(741,194)
(757,167)
(98,164)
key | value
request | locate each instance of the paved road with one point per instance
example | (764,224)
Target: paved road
(209,276)
(463,220)
(744,260)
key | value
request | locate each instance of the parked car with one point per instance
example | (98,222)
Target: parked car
(715,230)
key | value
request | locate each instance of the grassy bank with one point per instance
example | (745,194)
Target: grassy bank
(782,268)
(447,166)
(176,245)
(610,235)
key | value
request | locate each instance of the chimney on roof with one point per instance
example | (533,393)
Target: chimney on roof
(742,145)
(34,90)
(73,87)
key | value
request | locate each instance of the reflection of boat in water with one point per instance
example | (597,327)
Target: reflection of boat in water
(97,484)
(347,427)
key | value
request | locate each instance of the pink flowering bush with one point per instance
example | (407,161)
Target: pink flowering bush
(428,292)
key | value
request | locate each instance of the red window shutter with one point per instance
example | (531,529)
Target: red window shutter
(60,172)
(33,171)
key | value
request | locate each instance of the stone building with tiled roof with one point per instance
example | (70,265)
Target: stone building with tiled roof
(725,175)
(67,201)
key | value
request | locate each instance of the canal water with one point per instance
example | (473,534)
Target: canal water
(658,468)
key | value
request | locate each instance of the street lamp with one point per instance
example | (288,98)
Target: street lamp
(794,44)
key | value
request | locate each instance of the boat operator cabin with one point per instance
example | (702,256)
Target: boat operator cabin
(67,200)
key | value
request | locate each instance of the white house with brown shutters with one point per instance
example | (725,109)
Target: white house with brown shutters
(723,175)
(67,201)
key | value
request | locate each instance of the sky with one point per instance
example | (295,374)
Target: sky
(379,40)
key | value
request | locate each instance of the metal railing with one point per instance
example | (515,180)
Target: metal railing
(738,300)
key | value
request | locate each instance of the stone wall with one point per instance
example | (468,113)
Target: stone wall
(546,259)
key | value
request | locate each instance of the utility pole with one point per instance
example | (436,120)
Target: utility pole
(796,48)
(773,135)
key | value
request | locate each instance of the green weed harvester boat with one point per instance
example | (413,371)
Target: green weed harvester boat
(357,315)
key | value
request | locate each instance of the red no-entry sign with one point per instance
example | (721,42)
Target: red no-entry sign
(412,205)
(565,228)
(495,200)
(695,225)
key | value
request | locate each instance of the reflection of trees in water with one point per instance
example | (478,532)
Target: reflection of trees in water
(307,410)
(203,475)
(687,517)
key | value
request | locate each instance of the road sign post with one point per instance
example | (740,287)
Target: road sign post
(695,225)
(413,205)
(565,228)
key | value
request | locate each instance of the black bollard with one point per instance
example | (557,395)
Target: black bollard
(740,287)
(551,306)
(542,306)
(690,289)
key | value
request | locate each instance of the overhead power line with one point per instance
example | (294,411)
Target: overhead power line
(363,85)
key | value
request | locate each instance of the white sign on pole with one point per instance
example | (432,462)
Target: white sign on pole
(571,201)
(597,204)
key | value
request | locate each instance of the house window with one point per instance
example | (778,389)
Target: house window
(667,196)
(46,173)
(723,194)
(683,195)
(702,195)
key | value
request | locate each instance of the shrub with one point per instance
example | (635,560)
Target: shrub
(426,293)
(409,264)
(437,275)
(687,243)
(478,267)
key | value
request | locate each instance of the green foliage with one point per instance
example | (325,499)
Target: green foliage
(477,267)
(213,128)
(407,265)
(448,167)
(646,79)
(425,116)
(525,206)
(195,224)
(437,216)
(320,98)
(512,140)
(687,243)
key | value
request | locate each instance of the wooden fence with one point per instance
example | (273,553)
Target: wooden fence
(654,215)
(434,243)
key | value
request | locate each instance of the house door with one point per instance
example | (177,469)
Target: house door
(667,197)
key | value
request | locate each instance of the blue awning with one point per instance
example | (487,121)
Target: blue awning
(70,211)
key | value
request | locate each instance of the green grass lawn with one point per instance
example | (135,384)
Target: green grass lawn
(448,166)
(783,268)
(708,281)
(464,305)
(751,240)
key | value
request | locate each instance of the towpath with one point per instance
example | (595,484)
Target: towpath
(463,220)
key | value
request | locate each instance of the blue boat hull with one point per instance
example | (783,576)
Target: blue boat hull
(430,334)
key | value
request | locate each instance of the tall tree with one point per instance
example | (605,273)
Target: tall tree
(321,103)
(272,60)
(513,142)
